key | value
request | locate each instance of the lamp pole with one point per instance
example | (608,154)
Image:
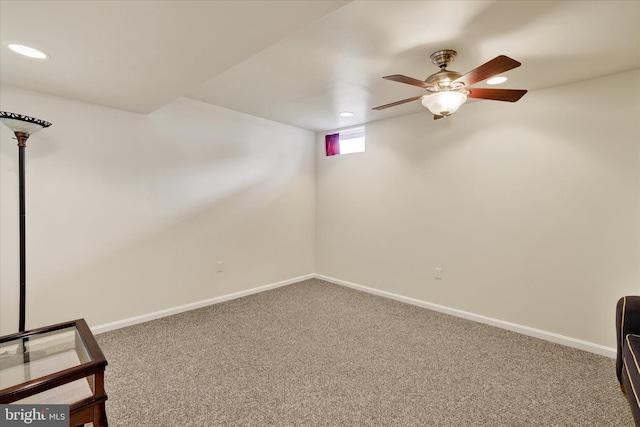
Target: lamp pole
(22,126)
(22,145)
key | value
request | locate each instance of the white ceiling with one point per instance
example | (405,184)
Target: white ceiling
(302,62)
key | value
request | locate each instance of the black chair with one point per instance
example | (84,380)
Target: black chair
(628,351)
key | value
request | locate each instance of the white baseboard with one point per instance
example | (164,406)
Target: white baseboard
(525,330)
(192,306)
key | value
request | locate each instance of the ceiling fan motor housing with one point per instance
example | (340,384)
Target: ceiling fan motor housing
(443,79)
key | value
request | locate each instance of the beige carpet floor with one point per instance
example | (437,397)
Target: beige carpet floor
(319,354)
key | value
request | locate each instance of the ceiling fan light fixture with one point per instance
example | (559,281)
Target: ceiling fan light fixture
(345,114)
(444,103)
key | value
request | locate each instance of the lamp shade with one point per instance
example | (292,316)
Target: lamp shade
(21,123)
(444,103)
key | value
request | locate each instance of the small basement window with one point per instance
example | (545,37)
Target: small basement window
(346,142)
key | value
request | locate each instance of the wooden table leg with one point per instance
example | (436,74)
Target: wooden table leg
(100,416)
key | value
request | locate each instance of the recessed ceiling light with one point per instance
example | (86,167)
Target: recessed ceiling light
(27,51)
(345,114)
(496,80)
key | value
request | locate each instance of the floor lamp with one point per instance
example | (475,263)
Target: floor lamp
(22,126)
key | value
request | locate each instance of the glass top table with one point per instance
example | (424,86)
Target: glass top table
(58,364)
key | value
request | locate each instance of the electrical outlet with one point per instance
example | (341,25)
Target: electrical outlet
(219,266)
(438,273)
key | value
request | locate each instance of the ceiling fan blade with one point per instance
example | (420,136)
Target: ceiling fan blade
(509,95)
(497,65)
(408,80)
(393,104)
(437,116)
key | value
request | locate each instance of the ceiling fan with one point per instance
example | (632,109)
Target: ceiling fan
(448,90)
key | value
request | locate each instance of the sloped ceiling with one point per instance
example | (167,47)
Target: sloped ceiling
(302,62)
(139,55)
